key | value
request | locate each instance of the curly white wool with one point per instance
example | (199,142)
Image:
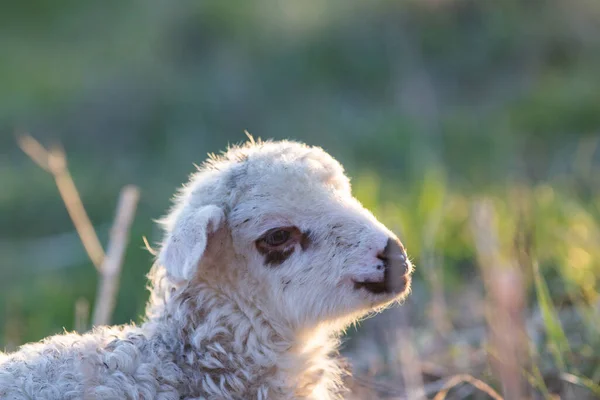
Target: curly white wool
(225,321)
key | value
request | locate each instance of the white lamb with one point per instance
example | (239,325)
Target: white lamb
(266,258)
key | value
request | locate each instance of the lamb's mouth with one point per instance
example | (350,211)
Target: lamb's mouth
(386,286)
(373,287)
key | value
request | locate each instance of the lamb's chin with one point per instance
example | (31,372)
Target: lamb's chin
(381,302)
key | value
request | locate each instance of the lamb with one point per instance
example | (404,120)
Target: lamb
(266,258)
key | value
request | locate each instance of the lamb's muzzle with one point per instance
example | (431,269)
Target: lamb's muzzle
(396,267)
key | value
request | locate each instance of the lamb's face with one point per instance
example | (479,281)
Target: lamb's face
(311,248)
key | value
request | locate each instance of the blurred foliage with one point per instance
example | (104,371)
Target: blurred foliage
(429,104)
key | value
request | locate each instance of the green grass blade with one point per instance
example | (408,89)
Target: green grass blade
(558,342)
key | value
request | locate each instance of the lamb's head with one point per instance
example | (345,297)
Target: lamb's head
(276,222)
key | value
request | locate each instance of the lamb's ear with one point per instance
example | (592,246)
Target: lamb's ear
(186,243)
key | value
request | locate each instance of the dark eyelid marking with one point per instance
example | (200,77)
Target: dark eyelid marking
(274,256)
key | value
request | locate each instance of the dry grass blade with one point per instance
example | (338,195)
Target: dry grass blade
(506,302)
(108,266)
(458,379)
(34,150)
(581,381)
(54,162)
(111,267)
(408,358)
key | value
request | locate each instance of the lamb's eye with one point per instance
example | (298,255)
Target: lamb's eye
(277,237)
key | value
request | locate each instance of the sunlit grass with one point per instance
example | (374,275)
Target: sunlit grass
(549,235)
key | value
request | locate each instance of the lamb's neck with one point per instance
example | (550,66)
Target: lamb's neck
(220,338)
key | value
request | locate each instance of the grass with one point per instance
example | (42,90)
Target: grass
(528,271)
(434,107)
(505,298)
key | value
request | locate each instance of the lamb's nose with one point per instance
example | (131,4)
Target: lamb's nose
(396,265)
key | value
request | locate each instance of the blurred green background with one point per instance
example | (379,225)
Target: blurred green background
(429,104)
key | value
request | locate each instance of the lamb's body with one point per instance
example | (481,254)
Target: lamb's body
(183,353)
(235,313)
